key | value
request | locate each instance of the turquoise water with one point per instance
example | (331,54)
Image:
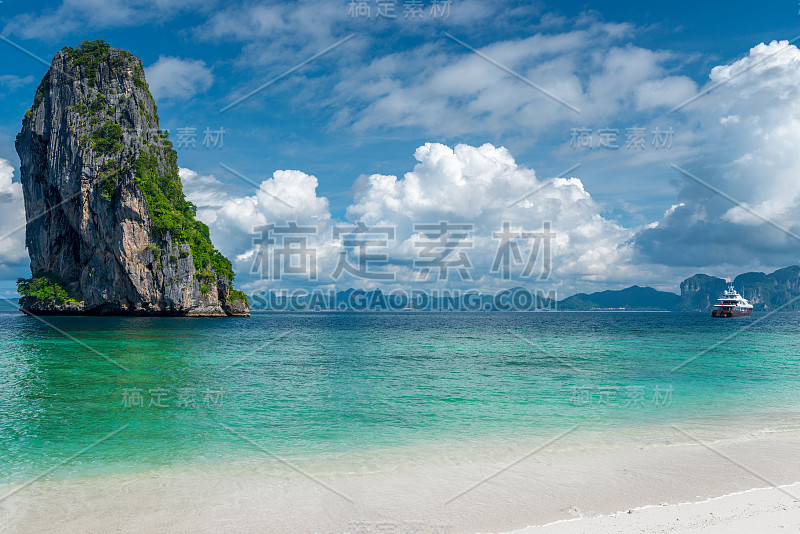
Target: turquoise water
(329,385)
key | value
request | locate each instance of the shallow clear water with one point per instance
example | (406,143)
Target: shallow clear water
(329,385)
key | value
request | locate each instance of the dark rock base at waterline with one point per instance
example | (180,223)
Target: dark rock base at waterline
(36,307)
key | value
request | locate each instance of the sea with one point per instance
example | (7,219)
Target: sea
(88,396)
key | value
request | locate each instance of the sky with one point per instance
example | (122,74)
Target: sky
(652,140)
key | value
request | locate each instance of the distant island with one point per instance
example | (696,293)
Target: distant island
(698,293)
(109,229)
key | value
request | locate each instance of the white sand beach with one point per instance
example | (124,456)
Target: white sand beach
(757,510)
(671,486)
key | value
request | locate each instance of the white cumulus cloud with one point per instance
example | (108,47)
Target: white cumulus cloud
(12,217)
(482,187)
(173,77)
(234,221)
(746,133)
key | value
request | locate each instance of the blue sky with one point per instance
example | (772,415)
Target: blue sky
(367,106)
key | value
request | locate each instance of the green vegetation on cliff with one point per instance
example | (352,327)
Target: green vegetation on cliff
(107,139)
(45,287)
(171,213)
(88,57)
(109,173)
(239,295)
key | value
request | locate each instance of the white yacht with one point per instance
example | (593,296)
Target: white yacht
(732,304)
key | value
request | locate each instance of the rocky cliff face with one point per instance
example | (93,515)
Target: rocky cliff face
(767,292)
(105,205)
(700,292)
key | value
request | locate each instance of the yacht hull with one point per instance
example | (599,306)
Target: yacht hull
(731,313)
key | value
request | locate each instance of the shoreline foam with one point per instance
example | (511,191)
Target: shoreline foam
(651,522)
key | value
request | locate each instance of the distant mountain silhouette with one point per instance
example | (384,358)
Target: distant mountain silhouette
(770,291)
(698,293)
(766,292)
(631,298)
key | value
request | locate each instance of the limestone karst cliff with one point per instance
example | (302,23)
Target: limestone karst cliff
(109,229)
